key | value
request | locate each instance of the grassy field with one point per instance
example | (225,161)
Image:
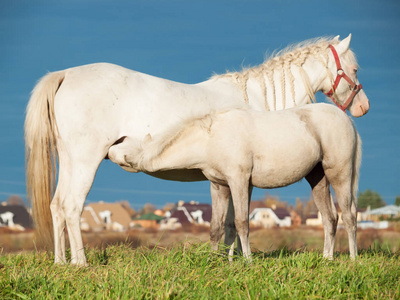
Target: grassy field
(191,271)
(261,239)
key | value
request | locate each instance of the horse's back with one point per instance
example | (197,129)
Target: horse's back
(110,101)
(118,102)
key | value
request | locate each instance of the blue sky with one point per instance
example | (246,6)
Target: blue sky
(188,41)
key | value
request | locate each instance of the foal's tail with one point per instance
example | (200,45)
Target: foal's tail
(356,168)
(41,152)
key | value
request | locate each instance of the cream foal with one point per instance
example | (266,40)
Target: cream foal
(241,148)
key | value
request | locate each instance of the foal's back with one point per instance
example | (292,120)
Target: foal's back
(279,148)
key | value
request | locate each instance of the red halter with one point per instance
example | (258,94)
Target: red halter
(341,74)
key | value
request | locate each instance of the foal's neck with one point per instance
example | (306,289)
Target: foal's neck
(181,148)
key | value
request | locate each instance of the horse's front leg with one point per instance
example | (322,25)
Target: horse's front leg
(220,198)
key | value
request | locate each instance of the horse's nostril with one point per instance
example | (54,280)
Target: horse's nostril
(364,111)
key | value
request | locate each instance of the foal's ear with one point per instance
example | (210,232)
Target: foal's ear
(344,45)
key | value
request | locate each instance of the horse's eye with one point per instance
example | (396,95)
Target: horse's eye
(355,71)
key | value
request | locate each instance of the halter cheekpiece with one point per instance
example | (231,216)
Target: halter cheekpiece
(341,74)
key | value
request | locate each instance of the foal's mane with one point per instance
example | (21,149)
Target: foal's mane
(282,60)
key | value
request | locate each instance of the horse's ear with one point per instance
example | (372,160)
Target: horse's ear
(344,45)
(336,38)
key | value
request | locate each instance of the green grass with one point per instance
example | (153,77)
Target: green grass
(191,271)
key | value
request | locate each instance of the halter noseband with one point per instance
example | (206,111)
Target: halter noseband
(341,74)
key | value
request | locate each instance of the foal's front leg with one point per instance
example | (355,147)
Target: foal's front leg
(240,198)
(220,196)
(239,244)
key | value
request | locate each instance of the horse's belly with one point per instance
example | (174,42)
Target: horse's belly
(184,175)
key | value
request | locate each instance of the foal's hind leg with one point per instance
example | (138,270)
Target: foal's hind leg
(220,198)
(341,184)
(322,198)
(230,229)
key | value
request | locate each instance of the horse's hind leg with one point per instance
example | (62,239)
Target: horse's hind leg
(58,217)
(322,198)
(220,198)
(56,206)
(82,176)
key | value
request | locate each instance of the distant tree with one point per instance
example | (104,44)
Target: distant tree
(271,201)
(148,208)
(397,201)
(169,207)
(15,200)
(299,208)
(371,199)
(310,208)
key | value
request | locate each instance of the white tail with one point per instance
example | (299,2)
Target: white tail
(356,168)
(41,152)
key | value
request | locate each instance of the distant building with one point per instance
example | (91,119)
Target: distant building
(186,214)
(105,216)
(269,217)
(15,217)
(296,219)
(314,220)
(385,212)
(149,220)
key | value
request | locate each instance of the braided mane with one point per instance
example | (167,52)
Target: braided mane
(282,61)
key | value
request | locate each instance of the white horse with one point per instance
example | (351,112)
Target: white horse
(79,114)
(242,148)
